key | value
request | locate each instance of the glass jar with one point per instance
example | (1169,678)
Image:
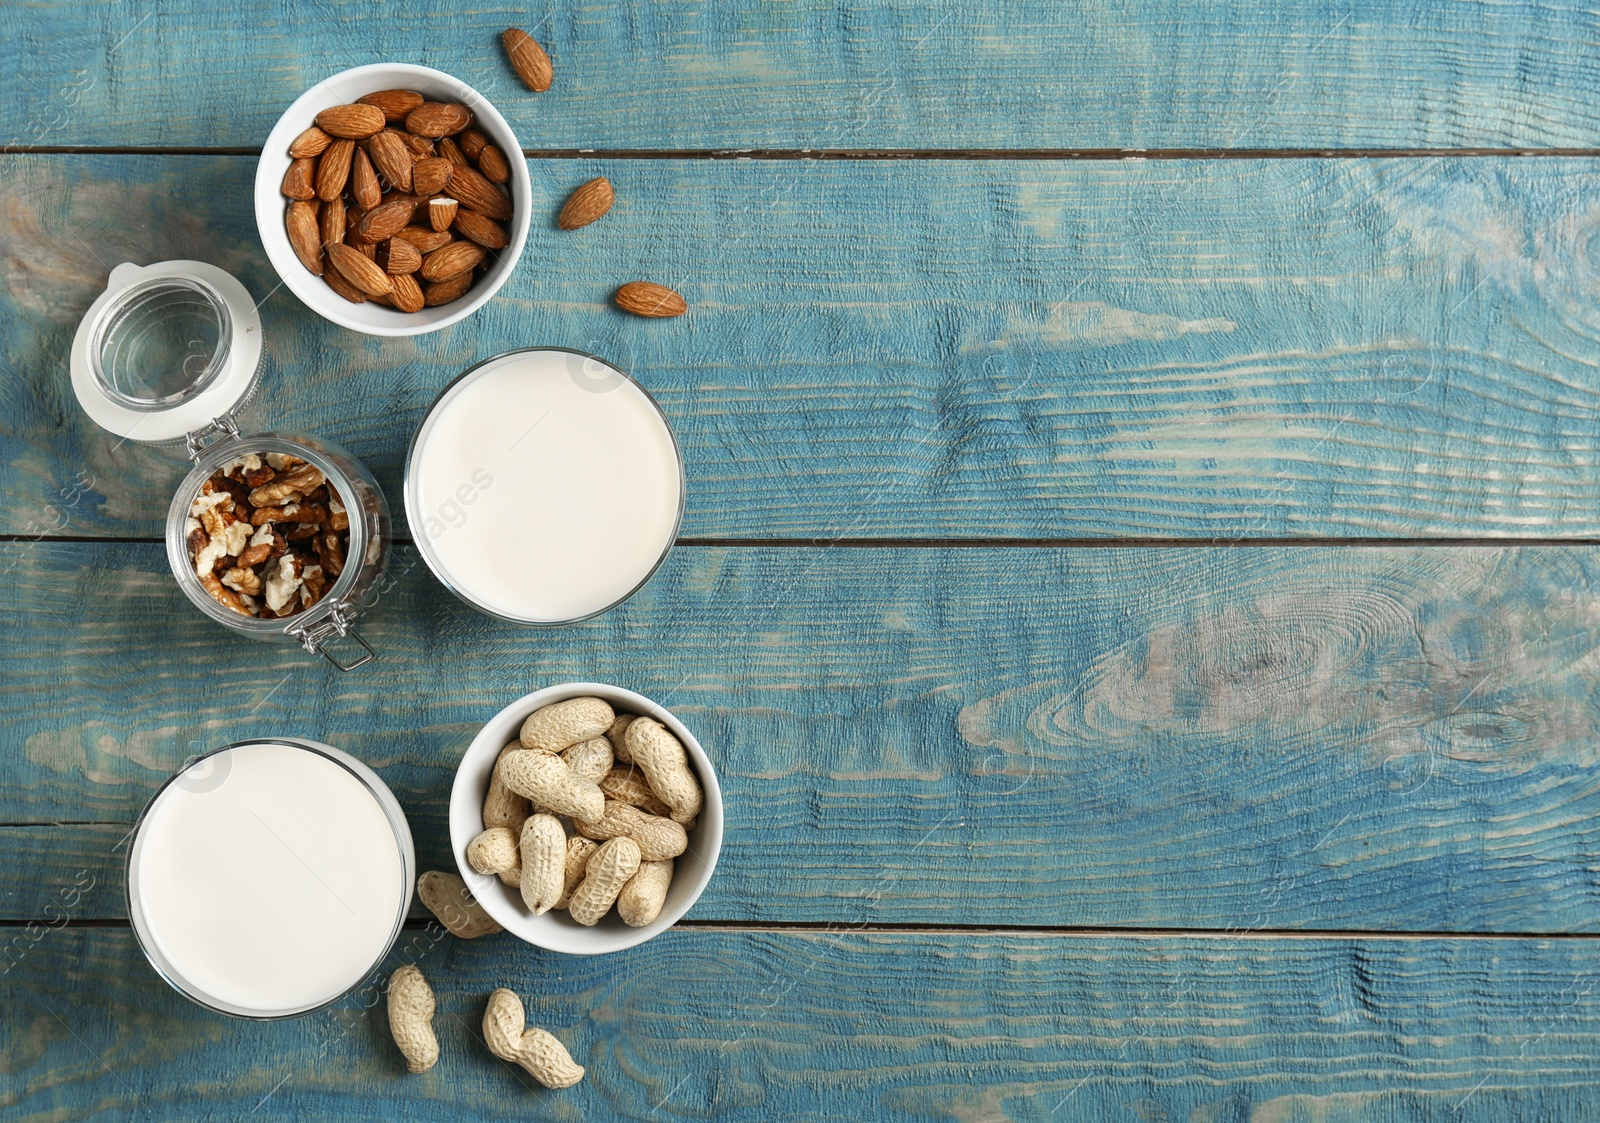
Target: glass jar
(168,356)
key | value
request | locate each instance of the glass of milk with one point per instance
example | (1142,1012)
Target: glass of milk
(270,878)
(544,486)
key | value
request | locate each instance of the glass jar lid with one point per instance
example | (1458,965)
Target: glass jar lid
(167,351)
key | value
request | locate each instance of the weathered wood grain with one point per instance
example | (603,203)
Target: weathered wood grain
(1223,348)
(1018,73)
(1272,737)
(833,1025)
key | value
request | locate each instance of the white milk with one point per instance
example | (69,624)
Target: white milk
(269,877)
(544,486)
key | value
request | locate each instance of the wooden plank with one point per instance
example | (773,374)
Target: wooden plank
(1212,349)
(1014,73)
(820,1025)
(1262,738)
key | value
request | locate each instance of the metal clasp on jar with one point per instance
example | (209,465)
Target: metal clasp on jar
(313,636)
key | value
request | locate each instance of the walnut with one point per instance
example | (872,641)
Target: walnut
(241,526)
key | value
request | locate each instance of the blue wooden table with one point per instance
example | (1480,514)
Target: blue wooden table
(1138,582)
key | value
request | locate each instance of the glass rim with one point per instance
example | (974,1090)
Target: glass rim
(398,826)
(420,542)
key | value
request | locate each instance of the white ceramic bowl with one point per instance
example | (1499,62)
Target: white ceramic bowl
(341,89)
(556,930)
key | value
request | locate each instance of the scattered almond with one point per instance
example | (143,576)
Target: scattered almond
(528,59)
(394,103)
(646,298)
(312,142)
(301,224)
(586,204)
(353,122)
(358,269)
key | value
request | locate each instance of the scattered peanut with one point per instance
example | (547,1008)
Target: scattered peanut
(666,766)
(494,851)
(589,760)
(546,780)
(646,891)
(411,1007)
(509,1037)
(557,726)
(544,858)
(448,898)
(657,838)
(608,871)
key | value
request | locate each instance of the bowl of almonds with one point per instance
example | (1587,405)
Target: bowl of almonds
(393,199)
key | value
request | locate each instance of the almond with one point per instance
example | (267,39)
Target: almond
(451,151)
(436,119)
(394,103)
(472,142)
(528,59)
(392,159)
(492,163)
(399,256)
(430,174)
(344,288)
(441,213)
(451,260)
(417,145)
(300,223)
(407,294)
(351,121)
(312,142)
(358,269)
(298,180)
(424,239)
(364,181)
(485,231)
(443,292)
(333,222)
(477,193)
(646,298)
(333,169)
(586,204)
(384,222)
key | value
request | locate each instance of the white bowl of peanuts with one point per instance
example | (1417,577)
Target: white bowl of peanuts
(349,232)
(585,819)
